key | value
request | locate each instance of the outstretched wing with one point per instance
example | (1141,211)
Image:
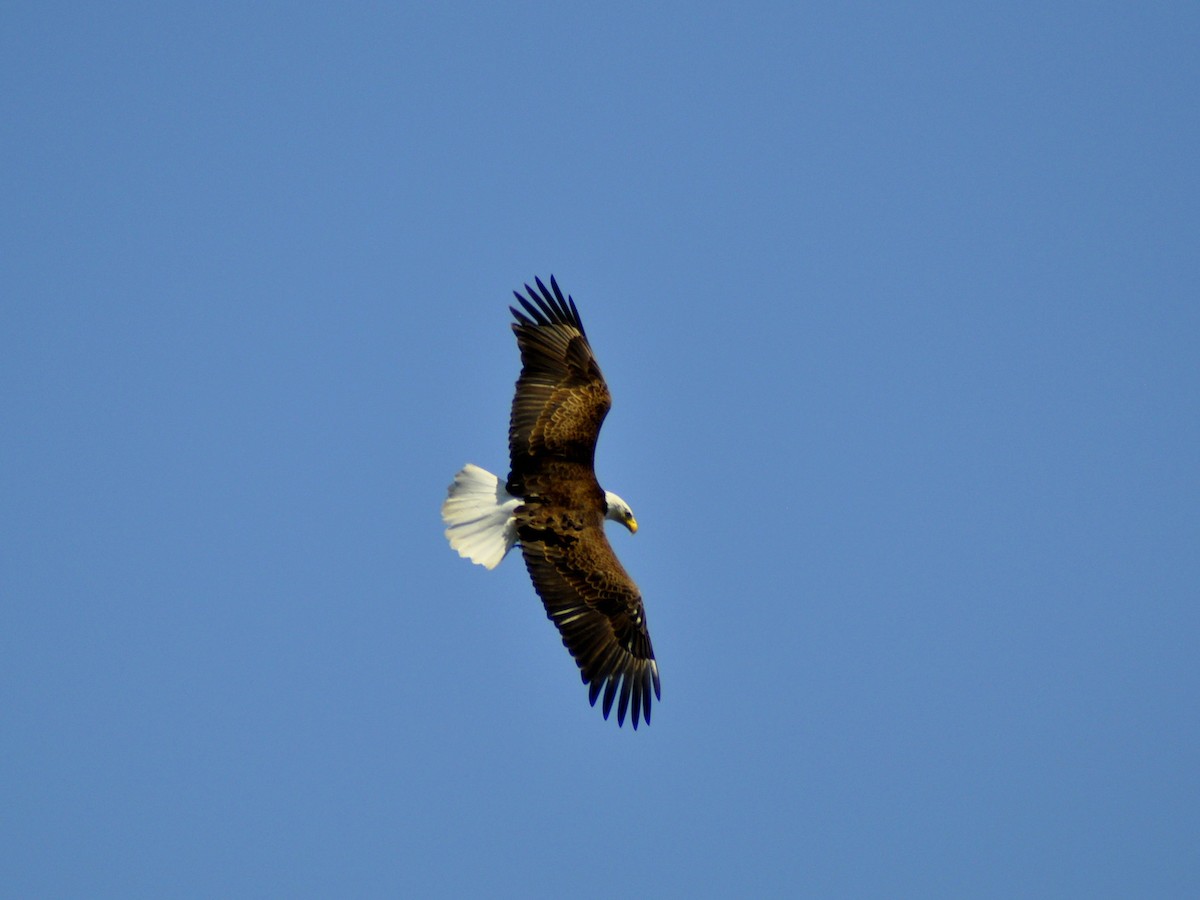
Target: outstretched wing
(561,397)
(597,609)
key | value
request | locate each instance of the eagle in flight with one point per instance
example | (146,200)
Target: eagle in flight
(553,507)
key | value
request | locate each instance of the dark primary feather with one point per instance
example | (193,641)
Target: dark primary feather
(560,403)
(549,308)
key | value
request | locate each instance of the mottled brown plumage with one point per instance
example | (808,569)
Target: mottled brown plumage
(560,403)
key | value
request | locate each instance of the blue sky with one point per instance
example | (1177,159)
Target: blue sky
(898,305)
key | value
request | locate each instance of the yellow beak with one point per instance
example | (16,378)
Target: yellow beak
(631,524)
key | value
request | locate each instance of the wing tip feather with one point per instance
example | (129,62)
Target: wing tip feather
(548,306)
(628,688)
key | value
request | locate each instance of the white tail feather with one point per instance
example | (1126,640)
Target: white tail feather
(478,513)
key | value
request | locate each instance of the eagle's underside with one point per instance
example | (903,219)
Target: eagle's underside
(553,508)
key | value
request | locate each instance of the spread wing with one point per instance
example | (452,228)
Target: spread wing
(596,607)
(559,406)
(561,397)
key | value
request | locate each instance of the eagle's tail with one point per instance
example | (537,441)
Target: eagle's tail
(478,513)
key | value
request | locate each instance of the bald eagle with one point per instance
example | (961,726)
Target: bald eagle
(552,505)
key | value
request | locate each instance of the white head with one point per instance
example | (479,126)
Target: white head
(619,511)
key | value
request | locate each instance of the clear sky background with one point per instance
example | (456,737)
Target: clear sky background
(899,304)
